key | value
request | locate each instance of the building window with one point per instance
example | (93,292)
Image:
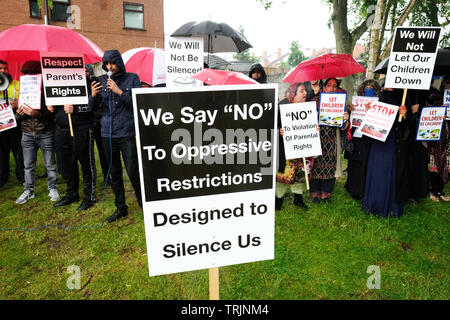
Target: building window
(133,15)
(35,12)
(60,9)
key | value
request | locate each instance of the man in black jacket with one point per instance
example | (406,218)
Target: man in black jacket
(79,148)
(112,96)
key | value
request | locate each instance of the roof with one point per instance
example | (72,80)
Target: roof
(215,62)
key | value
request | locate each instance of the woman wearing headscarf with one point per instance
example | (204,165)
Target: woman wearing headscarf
(290,177)
(356,150)
(323,175)
(386,188)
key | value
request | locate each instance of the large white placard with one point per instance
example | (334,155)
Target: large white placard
(7,118)
(207,175)
(30,91)
(379,120)
(412,58)
(64,78)
(184,58)
(301,138)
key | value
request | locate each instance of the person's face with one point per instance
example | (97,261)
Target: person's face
(114,68)
(331,86)
(4,69)
(256,75)
(300,95)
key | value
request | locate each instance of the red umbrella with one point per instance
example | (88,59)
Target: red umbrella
(218,77)
(148,63)
(330,65)
(24,42)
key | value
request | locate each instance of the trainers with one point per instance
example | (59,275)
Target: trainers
(26,195)
(54,195)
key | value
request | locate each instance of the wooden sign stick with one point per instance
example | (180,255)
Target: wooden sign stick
(306,173)
(405,91)
(214,283)
(70,124)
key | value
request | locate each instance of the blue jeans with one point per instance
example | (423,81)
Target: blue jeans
(31,142)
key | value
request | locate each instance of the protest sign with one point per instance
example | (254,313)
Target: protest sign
(30,91)
(206,160)
(430,124)
(412,58)
(447,104)
(446,98)
(378,120)
(331,109)
(301,138)
(64,78)
(7,118)
(184,58)
(359,109)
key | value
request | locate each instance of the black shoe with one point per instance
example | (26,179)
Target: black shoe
(298,201)
(316,200)
(86,204)
(278,203)
(117,215)
(66,200)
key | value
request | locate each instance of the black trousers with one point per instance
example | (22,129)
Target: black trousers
(74,150)
(126,147)
(10,141)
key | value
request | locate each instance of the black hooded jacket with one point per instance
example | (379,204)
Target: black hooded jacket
(260,68)
(114,109)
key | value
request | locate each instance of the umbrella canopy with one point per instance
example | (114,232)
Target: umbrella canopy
(148,63)
(220,77)
(217,37)
(330,65)
(441,66)
(24,42)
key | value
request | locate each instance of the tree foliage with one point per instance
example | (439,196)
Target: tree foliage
(296,54)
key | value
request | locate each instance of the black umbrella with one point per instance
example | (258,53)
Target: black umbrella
(441,66)
(217,37)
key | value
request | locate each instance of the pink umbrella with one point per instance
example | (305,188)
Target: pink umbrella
(330,65)
(219,77)
(148,63)
(24,42)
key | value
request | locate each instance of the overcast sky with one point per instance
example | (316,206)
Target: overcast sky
(302,20)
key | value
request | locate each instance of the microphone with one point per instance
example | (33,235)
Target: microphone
(109,73)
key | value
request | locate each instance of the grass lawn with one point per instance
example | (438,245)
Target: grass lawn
(322,253)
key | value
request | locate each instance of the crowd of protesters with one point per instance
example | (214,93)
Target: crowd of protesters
(106,119)
(383,175)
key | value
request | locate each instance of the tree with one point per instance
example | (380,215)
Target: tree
(245,55)
(296,54)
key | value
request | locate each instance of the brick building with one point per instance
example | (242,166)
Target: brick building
(111,24)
